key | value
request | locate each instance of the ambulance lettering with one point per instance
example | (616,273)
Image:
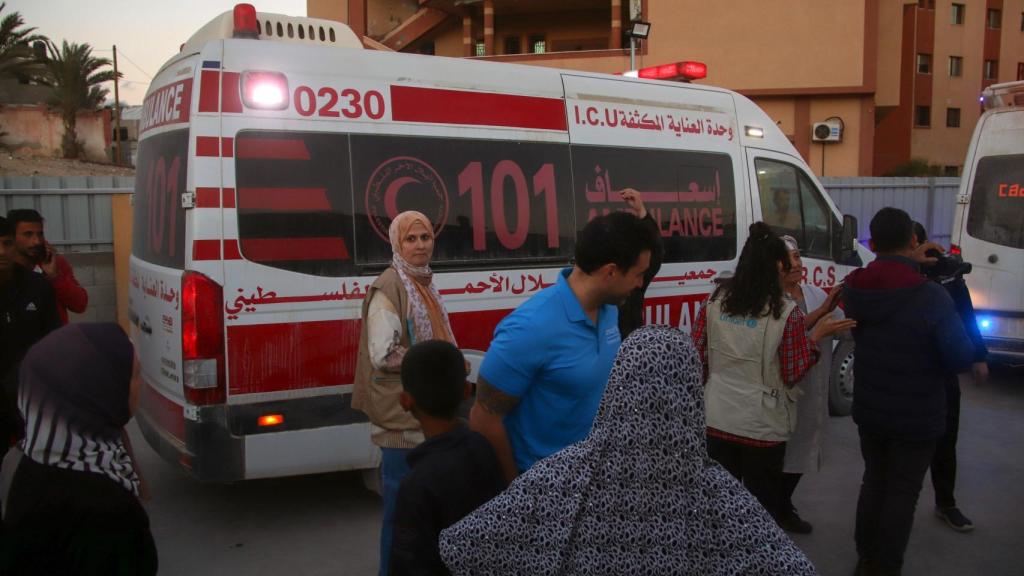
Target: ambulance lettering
(328,102)
(821,276)
(168,105)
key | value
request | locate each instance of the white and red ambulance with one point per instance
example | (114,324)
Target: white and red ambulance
(274,151)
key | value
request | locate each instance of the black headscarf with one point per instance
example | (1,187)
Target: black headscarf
(73,394)
(639,495)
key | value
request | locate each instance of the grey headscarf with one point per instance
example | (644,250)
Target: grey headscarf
(639,495)
(73,394)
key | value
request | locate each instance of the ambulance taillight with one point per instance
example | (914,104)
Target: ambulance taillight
(264,90)
(202,339)
(245,21)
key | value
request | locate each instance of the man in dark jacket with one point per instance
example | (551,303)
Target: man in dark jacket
(909,341)
(631,312)
(28,311)
(943,466)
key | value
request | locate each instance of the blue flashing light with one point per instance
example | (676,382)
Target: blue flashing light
(984,323)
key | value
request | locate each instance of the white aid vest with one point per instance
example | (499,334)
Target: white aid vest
(745,394)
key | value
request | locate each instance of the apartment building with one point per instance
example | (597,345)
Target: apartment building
(900,77)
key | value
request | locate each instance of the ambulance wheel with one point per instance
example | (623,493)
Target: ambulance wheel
(840,389)
(371,480)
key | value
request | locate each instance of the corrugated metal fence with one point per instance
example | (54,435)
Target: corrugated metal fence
(930,201)
(77,209)
(78,214)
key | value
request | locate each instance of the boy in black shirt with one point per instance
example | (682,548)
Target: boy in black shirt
(452,473)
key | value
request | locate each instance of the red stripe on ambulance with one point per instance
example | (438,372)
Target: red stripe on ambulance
(230,95)
(436,106)
(272,149)
(231,250)
(207,146)
(284,199)
(277,249)
(275,357)
(206,250)
(207,197)
(209,90)
(229,198)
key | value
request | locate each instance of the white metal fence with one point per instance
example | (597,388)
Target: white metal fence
(77,209)
(930,201)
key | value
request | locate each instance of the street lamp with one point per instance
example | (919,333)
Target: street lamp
(637,29)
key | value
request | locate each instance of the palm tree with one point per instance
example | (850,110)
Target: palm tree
(16,56)
(75,77)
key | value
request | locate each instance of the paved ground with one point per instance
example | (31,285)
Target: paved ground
(328,524)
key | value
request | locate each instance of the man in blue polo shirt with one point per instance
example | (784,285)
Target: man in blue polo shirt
(543,377)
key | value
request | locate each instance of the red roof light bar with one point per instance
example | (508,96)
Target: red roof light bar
(684,71)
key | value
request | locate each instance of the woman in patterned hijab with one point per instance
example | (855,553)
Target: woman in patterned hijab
(639,495)
(71,491)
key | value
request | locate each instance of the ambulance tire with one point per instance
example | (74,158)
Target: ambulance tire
(371,480)
(840,388)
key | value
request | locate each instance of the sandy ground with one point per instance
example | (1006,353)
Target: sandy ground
(15,164)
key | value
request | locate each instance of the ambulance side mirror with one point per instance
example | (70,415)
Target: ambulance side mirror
(848,238)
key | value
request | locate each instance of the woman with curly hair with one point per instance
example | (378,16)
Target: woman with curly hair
(755,347)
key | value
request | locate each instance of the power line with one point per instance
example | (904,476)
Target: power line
(125,56)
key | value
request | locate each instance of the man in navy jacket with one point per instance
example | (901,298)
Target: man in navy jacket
(909,341)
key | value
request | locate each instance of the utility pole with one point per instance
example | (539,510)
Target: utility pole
(117,115)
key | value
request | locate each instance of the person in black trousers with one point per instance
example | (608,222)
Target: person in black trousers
(943,466)
(910,341)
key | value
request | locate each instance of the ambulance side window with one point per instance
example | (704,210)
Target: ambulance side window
(792,205)
(294,201)
(690,195)
(491,201)
(158,235)
(997,201)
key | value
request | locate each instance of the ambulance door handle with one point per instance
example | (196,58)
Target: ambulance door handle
(145,327)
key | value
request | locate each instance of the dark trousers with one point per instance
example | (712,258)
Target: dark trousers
(944,461)
(893,472)
(789,482)
(759,469)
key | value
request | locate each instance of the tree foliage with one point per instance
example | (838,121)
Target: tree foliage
(16,56)
(76,79)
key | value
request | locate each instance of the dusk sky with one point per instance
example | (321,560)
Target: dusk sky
(147,32)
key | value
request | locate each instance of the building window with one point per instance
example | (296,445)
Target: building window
(952,117)
(923,116)
(538,45)
(926,4)
(952,171)
(994,18)
(956,66)
(1022,21)
(481,49)
(512,45)
(990,70)
(924,63)
(1020,71)
(958,14)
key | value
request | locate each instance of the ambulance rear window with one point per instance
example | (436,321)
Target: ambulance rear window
(158,233)
(493,203)
(997,201)
(294,201)
(690,195)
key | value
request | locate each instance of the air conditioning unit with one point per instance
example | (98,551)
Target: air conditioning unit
(828,131)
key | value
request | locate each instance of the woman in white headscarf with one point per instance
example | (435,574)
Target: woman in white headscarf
(639,495)
(402,307)
(804,449)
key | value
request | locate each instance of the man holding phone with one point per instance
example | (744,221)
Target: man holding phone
(33,252)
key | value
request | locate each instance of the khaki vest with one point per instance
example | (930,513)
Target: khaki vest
(375,392)
(745,394)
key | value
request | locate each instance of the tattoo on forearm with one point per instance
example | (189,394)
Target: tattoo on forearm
(493,400)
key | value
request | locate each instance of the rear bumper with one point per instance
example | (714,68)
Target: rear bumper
(1005,350)
(223,444)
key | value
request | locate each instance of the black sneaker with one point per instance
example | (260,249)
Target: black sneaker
(792,522)
(956,520)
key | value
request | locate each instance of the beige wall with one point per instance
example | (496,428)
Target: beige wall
(121,207)
(841,159)
(36,128)
(824,41)
(1011,50)
(383,16)
(890,42)
(328,9)
(782,111)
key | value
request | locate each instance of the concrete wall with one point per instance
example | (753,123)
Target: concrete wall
(38,129)
(95,272)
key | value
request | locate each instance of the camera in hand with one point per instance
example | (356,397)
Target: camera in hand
(948,267)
